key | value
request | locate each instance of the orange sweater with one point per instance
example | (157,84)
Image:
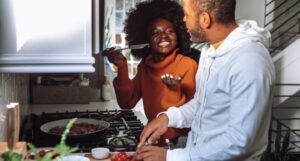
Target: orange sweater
(157,96)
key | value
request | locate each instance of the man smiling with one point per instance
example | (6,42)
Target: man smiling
(230,113)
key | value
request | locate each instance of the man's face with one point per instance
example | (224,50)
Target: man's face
(192,22)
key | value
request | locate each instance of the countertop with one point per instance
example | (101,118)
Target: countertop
(105,105)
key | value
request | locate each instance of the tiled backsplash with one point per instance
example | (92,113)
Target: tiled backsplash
(13,88)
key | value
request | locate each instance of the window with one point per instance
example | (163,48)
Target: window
(114,35)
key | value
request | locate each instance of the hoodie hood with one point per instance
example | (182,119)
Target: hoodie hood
(246,31)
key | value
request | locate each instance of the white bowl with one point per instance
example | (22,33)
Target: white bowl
(73,158)
(100,153)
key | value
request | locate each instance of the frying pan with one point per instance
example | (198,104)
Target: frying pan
(62,123)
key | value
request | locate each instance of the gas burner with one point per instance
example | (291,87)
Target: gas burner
(122,143)
(123,133)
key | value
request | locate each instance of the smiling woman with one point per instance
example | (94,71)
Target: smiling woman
(163,65)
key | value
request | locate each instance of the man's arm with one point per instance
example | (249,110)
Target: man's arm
(174,117)
(249,118)
(183,116)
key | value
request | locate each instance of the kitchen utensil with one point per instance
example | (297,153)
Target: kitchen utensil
(133,47)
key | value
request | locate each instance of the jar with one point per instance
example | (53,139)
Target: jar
(106,89)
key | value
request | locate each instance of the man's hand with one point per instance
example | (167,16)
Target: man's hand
(151,153)
(114,56)
(171,80)
(153,130)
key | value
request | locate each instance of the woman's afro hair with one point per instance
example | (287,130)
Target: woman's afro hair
(139,19)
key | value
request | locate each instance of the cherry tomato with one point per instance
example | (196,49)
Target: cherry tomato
(55,156)
(122,155)
(113,158)
(31,157)
(42,153)
(120,159)
(130,158)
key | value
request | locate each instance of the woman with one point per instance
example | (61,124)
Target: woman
(165,76)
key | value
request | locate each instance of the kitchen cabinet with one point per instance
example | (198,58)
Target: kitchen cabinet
(47,36)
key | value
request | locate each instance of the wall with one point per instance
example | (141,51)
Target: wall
(287,64)
(280,20)
(13,88)
(287,72)
(253,9)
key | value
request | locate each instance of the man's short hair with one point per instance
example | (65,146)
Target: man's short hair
(222,10)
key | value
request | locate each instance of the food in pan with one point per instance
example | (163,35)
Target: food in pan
(77,129)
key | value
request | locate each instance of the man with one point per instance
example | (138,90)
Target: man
(230,113)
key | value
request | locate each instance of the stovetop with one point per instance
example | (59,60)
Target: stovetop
(122,135)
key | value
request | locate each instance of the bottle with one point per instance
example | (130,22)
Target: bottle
(106,89)
(39,80)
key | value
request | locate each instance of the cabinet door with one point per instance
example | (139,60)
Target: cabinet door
(46,36)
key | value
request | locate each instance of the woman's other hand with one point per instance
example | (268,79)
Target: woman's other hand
(171,80)
(114,56)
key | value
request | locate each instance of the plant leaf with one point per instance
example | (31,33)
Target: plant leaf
(67,130)
(61,148)
(32,148)
(11,156)
(64,149)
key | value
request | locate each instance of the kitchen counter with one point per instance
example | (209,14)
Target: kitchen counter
(93,106)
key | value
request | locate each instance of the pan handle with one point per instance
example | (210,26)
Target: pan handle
(117,115)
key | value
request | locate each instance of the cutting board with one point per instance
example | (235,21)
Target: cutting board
(89,155)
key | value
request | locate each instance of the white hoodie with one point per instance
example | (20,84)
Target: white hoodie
(231,110)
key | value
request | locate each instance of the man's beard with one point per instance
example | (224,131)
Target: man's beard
(197,35)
